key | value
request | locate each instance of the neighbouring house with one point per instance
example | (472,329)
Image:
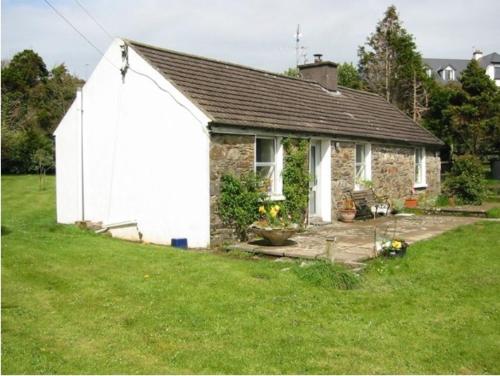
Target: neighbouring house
(446,70)
(152,131)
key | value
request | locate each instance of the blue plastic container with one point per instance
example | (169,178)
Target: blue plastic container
(179,243)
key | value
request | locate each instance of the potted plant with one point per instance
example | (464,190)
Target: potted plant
(274,225)
(347,212)
(411,202)
(394,248)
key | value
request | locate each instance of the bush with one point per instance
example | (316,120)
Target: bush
(465,180)
(442,200)
(296,179)
(239,202)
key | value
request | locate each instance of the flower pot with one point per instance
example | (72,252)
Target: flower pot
(410,203)
(347,215)
(275,236)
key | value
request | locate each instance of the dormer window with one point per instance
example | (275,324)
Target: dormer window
(448,74)
(497,73)
(429,72)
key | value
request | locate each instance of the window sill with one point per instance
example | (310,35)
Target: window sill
(277,197)
(420,185)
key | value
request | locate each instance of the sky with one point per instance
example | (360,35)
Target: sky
(256,33)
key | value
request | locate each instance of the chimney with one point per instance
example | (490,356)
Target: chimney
(323,72)
(477,54)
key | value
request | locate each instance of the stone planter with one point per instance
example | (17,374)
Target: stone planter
(347,215)
(275,236)
(410,203)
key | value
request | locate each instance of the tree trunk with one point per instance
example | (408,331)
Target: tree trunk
(414,96)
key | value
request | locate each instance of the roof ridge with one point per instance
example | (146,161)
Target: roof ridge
(280,75)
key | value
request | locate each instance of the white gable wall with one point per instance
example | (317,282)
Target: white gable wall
(145,155)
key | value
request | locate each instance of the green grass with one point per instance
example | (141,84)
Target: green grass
(76,302)
(493,213)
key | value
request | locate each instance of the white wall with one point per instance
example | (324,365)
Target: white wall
(68,184)
(145,155)
(490,71)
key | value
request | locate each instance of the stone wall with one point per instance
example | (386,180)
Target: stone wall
(393,169)
(343,155)
(392,172)
(433,173)
(228,154)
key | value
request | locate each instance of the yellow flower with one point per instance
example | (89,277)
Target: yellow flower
(273,212)
(277,208)
(396,244)
(262,210)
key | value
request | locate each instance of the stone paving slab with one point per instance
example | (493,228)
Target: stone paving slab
(354,242)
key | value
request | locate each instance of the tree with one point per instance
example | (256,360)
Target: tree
(42,161)
(349,76)
(34,100)
(390,65)
(292,72)
(475,113)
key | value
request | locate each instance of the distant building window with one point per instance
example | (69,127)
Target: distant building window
(448,74)
(497,73)
(429,72)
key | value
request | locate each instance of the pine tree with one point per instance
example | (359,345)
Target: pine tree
(475,116)
(391,66)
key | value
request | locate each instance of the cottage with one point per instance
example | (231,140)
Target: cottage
(152,131)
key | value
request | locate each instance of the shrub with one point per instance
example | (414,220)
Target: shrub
(296,179)
(442,200)
(239,202)
(465,180)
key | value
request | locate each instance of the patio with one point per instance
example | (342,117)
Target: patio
(352,243)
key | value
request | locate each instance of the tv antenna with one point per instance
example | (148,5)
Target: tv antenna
(300,51)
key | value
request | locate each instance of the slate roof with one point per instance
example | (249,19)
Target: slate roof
(237,96)
(437,65)
(488,59)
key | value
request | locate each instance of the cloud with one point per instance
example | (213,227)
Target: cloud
(254,32)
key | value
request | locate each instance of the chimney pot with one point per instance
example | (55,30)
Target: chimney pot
(477,54)
(317,58)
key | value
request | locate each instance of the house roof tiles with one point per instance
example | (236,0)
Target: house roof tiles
(234,95)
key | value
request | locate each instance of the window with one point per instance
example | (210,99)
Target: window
(363,165)
(268,163)
(497,73)
(448,74)
(420,167)
(429,72)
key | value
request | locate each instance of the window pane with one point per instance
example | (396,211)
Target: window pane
(360,153)
(266,173)
(360,171)
(265,150)
(497,73)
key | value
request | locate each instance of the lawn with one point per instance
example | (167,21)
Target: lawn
(76,302)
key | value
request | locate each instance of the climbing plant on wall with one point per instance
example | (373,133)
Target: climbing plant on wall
(296,178)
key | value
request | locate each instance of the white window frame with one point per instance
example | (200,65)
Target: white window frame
(277,180)
(367,164)
(452,74)
(422,182)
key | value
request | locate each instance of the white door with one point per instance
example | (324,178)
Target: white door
(314,171)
